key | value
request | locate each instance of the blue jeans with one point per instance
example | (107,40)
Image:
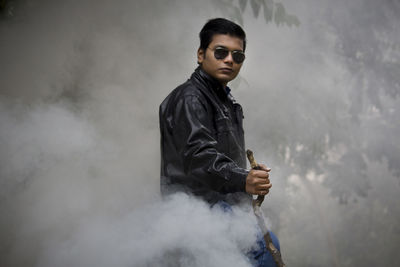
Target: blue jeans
(259,256)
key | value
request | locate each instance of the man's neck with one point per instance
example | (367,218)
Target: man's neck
(224,85)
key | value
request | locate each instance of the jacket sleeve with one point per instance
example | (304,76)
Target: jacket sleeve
(196,143)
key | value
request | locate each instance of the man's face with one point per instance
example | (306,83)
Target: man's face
(224,70)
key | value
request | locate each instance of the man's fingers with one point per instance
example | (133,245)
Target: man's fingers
(259,181)
(260,173)
(264,167)
(264,192)
(263,186)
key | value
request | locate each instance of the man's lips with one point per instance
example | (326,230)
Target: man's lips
(227,70)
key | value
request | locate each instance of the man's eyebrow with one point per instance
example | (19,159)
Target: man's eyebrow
(221,46)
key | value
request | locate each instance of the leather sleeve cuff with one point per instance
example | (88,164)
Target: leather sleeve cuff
(237,180)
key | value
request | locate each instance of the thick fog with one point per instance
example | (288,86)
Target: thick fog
(81,82)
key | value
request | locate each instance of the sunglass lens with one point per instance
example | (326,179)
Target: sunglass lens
(238,57)
(221,53)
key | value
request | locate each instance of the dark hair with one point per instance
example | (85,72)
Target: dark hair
(220,26)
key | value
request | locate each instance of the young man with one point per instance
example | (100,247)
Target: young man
(201,125)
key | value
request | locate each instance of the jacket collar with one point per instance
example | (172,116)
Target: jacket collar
(203,78)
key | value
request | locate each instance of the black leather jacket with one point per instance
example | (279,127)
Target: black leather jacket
(202,141)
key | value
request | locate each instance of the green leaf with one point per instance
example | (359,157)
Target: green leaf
(242,4)
(268,10)
(236,15)
(255,5)
(281,17)
(229,10)
(233,12)
(292,20)
(280,14)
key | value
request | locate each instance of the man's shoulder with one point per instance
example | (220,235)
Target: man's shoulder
(186,90)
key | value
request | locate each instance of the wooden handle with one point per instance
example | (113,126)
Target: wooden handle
(251,159)
(254,165)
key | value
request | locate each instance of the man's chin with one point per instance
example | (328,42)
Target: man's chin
(224,79)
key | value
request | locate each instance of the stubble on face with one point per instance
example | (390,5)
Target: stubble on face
(223,70)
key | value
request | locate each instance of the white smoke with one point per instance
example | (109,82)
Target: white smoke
(65,213)
(80,86)
(181,231)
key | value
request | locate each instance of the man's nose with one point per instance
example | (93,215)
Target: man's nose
(228,58)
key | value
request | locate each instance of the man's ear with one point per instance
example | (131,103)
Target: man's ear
(200,55)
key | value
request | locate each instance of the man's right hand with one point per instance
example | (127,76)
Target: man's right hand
(257,181)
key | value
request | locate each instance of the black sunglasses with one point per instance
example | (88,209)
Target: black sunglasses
(221,53)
